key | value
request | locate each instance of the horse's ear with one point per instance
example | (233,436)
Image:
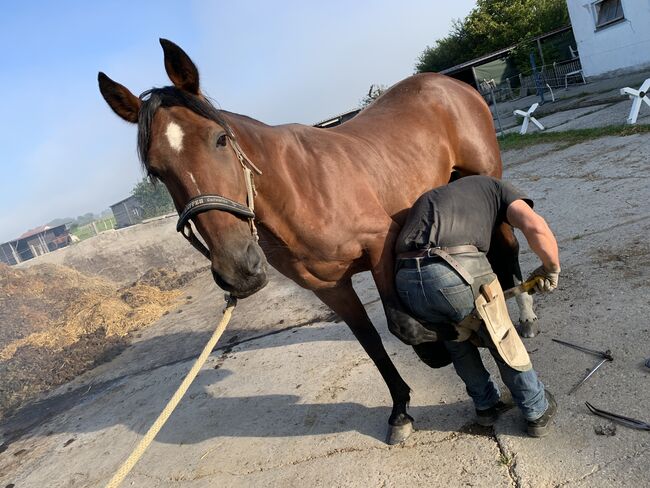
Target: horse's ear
(119,98)
(180,68)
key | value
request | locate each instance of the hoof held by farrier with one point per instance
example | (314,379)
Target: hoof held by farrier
(528,329)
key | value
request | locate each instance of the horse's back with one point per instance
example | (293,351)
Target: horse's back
(439,89)
(423,128)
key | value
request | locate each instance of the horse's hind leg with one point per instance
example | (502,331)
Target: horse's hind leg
(504,258)
(345,302)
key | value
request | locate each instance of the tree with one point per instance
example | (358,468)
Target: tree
(494,25)
(373,94)
(154,198)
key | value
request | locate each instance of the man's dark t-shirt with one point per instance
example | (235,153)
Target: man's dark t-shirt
(462,212)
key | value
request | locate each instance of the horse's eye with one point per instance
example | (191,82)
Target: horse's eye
(221,140)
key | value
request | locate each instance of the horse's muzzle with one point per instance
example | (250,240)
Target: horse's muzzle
(248,276)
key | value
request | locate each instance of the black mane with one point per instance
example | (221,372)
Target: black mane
(170,96)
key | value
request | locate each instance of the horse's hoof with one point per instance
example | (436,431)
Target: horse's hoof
(528,329)
(398,433)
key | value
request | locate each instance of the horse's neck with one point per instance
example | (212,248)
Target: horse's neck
(265,146)
(254,138)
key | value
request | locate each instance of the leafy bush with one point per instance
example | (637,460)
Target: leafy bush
(154,198)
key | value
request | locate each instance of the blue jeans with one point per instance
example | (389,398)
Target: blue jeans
(434,293)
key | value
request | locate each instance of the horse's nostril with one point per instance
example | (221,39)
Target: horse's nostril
(254,260)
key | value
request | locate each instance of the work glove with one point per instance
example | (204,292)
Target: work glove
(548,280)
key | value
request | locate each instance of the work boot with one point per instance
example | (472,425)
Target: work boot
(542,426)
(489,416)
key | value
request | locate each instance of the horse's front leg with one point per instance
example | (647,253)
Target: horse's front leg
(504,258)
(345,302)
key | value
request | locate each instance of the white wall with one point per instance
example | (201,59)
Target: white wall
(622,46)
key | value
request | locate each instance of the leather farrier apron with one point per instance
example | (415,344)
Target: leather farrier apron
(491,312)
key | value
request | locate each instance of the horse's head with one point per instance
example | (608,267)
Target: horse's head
(188,145)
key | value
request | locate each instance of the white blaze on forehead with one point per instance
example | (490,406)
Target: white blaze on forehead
(174,135)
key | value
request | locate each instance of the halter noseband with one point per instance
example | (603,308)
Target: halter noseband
(203,203)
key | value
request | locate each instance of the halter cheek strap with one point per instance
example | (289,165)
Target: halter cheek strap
(203,203)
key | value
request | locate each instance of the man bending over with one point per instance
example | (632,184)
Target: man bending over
(444,278)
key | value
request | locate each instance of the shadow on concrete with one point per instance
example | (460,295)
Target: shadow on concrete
(145,357)
(202,416)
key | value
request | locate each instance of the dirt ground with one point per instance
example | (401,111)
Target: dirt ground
(290,399)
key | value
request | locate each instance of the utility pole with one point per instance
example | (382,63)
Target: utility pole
(496,110)
(537,76)
(541,54)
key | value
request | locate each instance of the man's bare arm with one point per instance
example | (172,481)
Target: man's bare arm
(541,240)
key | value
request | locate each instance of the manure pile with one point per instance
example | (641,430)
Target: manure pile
(56,323)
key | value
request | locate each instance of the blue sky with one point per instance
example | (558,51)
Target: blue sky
(64,153)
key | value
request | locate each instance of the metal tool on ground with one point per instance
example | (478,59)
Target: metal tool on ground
(621,419)
(525,287)
(604,355)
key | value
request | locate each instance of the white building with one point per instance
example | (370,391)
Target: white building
(612,35)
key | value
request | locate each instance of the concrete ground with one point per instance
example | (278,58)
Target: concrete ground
(595,104)
(290,398)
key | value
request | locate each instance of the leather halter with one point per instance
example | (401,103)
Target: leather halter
(204,203)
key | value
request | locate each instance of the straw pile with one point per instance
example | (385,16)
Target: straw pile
(56,323)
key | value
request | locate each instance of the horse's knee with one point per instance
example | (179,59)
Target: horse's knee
(406,328)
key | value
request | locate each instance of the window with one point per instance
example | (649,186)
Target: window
(608,12)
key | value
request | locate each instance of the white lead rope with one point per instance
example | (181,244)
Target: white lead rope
(144,443)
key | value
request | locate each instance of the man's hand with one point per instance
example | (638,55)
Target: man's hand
(549,279)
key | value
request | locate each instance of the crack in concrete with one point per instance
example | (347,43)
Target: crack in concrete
(515,479)
(599,467)
(585,177)
(597,108)
(600,231)
(331,453)
(531,158)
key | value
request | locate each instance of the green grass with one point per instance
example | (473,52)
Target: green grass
(86,231)
(569,137)
(506,459)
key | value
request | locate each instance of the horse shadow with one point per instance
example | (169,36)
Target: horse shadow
(206,413)
(286,415)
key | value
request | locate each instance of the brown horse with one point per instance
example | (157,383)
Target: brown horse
(329,202)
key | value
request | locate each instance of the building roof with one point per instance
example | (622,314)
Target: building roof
(477,61)
(132,197)
(33,232)
(37,230)
(497,54)
(331,120)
